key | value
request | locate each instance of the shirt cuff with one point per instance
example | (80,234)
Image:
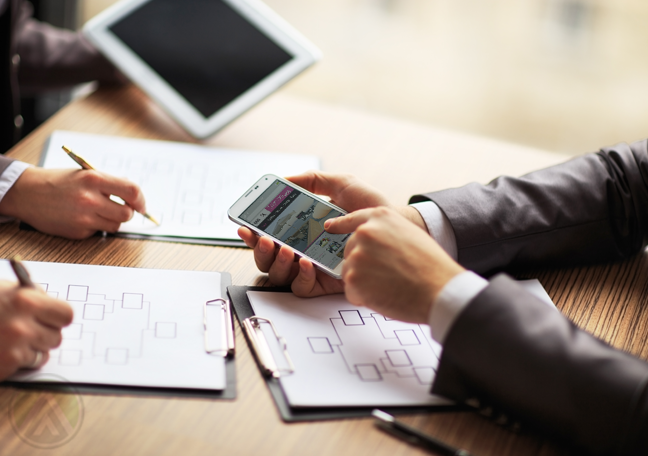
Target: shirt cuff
(438,226)
(7,179)
(452,299)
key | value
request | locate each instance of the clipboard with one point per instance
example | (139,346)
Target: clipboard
(243,310)
(228,393)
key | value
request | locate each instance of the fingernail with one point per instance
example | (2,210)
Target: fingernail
(262,248)
(327,224)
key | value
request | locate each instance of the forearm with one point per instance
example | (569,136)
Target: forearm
(53,58)
(512,353)
(593,208)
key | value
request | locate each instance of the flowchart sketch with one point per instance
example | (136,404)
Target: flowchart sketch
(190,197)
(134,327)
(346,355)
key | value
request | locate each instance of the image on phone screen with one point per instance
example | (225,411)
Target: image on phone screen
(297,220)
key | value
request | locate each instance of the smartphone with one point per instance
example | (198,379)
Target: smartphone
(294,217)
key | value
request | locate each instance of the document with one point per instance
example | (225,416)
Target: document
(132,327)
(348,356)
(188,187)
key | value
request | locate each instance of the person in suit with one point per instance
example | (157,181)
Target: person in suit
(35,58)
(504,351)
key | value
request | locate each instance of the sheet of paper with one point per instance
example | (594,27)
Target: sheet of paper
(188,187)
(134,327)
(352,356)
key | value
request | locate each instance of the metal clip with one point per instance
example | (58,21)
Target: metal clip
(261,349)
(227,347)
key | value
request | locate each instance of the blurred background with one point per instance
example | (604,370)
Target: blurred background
(569,76)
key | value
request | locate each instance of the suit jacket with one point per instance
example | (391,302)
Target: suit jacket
(36,57)
(513,356)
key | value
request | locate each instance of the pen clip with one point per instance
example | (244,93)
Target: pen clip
(261,349)
(227,347)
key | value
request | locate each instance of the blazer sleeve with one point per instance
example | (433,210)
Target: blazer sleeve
(544,372)
(589,209)
(52,58)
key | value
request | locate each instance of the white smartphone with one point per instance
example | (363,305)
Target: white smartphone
(294,217)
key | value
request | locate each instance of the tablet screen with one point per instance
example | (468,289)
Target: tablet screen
(203,48)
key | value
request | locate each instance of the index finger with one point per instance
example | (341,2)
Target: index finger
(125,189)
(348,223)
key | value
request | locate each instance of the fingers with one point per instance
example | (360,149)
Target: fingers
(306,281)
(264,253)
(249,237)
(47,311)
(125,189)
(349,222)
(284,268)
(321,182)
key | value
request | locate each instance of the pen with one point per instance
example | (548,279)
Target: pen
(85,165)
(387,422)
(21,273)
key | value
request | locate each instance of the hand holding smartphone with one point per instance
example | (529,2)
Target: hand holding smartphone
(293,217)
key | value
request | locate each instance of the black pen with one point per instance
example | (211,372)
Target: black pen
(21,273)
(388,423)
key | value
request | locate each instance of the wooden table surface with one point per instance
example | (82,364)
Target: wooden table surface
(398,158)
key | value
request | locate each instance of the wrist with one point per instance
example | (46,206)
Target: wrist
(412,215)
(12,203)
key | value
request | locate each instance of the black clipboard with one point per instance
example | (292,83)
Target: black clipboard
(229,393)
(243,310)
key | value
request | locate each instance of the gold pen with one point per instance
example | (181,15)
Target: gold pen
(85,165)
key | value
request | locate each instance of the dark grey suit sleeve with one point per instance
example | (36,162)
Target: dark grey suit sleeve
(589,209)
(514,354)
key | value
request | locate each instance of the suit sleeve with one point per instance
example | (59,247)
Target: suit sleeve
(52,58)
(544,372)
(589,209)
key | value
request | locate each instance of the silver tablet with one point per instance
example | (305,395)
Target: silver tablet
(204,61)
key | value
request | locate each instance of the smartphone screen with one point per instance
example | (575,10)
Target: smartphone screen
(297,220)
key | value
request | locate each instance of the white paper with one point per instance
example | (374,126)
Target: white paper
(349,356)
(134,327)
(188,188)
(352,356)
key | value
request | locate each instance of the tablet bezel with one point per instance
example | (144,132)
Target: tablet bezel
(257,13)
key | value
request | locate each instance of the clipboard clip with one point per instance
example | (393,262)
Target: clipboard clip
(227,347)
(261,349)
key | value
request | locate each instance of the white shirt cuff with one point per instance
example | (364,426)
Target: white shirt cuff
(452,300)
(439,226)
(8,178)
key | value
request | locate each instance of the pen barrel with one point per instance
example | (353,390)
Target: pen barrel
(419,438)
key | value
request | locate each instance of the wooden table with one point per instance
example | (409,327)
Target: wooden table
(398,158)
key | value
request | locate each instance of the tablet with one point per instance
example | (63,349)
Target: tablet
(204,61)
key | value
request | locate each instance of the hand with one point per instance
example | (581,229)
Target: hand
(345,191)
(71,203)
(390,265)
(30,322)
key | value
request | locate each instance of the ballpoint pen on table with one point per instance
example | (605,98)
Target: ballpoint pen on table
(85,165)
(414,436)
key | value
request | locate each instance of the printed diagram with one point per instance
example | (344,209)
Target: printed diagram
(396,348)
(114,329)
